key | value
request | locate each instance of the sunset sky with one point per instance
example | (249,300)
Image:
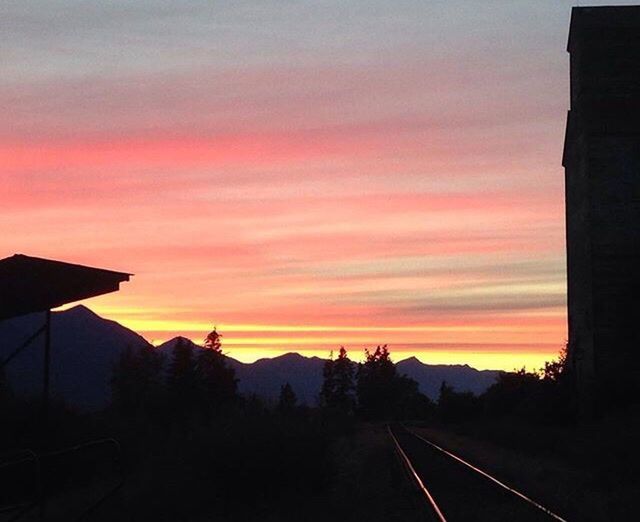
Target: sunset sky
(301,174)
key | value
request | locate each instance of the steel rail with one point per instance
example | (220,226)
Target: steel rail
(416,477)
(491,478)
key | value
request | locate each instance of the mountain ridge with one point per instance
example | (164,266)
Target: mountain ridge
(85,346)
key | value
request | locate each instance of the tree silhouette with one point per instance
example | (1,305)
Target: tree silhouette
(136,385)
(456,406)
(338,387)
(546,396)
(182,383)
(409,402)
(287,400)
(375,385)
(556,370)
(383,394)
(217,384)
(213,341)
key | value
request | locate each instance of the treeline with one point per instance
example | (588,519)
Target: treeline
(372,390)
(191,387)
(539,397)
(195,386)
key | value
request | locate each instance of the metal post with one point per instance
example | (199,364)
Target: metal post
(45,382)
(44,428)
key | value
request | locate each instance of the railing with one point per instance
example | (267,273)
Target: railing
(23,505)
(44,470)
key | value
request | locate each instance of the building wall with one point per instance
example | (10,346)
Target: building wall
(602,178)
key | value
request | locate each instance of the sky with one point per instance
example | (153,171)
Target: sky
(302,174)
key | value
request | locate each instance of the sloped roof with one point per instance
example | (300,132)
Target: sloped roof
(32,284)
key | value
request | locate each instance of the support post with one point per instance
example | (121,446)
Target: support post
(46,378)
(44,428)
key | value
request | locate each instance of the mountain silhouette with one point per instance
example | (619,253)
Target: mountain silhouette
(167,347)
(85,347)
(265,376)
(460,376)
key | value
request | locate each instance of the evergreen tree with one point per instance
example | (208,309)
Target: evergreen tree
(218,386)
(382,393)
(136,384)
(326,392)
(454,406)
(287,400)
(338,387)
(375,384)
(182,383)
(213,341)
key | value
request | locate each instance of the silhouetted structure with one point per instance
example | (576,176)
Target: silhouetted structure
(602,176)
(32,284)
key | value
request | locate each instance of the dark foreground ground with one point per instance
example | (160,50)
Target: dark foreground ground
(270,467)
(584,472)
(283,472)
(460,493)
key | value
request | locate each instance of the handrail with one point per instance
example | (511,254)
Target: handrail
(26,506)
(112,491)
(31,456)
(83,445)
(93,507)
(38,458)
(13,507)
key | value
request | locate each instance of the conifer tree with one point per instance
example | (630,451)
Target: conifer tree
(338,386)
(326,392)
(376,384)
(382,393)
(182,384)
(136,384)
(218,385)
(287,400)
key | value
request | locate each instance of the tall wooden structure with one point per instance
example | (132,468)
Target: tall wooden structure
(602,177)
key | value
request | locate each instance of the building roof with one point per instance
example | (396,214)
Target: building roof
(32,284)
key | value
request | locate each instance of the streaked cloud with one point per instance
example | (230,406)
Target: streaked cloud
(330,172)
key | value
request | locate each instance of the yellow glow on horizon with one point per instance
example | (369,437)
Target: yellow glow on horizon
(449,343)
(478,360)
(161,325)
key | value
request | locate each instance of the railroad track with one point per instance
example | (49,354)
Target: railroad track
(456,490)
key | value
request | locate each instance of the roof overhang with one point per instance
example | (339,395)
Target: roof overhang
(32,284)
